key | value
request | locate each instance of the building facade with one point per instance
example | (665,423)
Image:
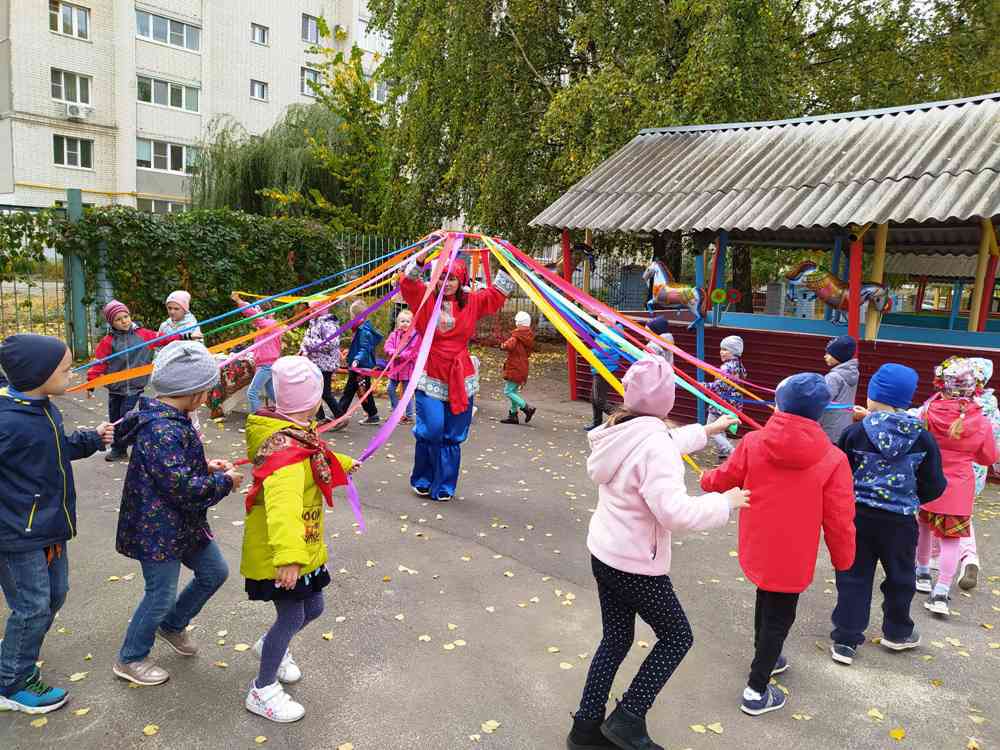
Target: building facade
(112,97)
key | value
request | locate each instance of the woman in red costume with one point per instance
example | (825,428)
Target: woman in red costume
(449,383)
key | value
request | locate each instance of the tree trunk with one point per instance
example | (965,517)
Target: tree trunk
(742,274)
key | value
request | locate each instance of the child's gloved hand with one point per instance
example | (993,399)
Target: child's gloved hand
(287,576)
(236,477)
(105,429)
(720,425)
(738,498)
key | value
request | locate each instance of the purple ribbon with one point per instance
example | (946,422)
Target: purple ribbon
(353,322)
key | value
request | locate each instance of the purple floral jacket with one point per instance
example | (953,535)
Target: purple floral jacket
(168,488)
(326,356)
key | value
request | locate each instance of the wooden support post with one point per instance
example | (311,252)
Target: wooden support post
(699,282)
(719,282)
(570,352)
(854,293)
(985,232)
(956,305)
(874,317)
(838,250)
(989,284)
(921,293)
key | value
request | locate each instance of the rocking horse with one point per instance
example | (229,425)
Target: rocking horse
(669,295)
(835,292)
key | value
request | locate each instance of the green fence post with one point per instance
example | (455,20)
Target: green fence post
(74,311)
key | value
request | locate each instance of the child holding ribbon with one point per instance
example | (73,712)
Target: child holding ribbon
(405,351)
(284,547)
(361,356)
(265,353)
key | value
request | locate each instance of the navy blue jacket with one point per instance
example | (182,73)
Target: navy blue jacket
(168,487)
(37,494)
(366,340)
(607,351)
(896,462)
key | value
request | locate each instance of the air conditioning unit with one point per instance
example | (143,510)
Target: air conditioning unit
(78,111)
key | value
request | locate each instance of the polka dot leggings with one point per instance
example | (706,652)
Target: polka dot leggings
(623,596)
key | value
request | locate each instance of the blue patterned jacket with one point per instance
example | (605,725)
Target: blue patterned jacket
(168,488)
(896,462)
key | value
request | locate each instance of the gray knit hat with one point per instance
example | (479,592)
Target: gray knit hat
(182,368)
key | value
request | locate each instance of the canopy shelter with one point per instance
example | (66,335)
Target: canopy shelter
(920,180)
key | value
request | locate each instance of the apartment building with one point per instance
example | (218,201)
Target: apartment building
(113,96)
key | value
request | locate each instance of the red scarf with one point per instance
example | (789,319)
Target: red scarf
(291,445)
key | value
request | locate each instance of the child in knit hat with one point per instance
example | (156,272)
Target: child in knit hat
(965,437)
(37,510)
(842,380)
(163,521)
(284,547)
(897,468)
(519,347)
(800,485)
(636,462)
(661,327)
(361,358)
(122,349)
(731,354)
(180,319)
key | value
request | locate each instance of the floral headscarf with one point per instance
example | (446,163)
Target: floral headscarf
(955,378)
(982,369)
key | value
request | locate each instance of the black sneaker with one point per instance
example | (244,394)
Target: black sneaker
(370,420)
(626,730)
(902,644)
(924,583)
(842,653)
(511,419)
(938,604)
(529,412)
(586,735)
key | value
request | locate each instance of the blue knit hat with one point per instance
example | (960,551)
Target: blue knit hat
(29,359)
(842,348)
(658,325)
(893,385)
(804,394)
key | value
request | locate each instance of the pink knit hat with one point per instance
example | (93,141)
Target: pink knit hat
(113,309)
(298,384)
(649,387)
(180,297)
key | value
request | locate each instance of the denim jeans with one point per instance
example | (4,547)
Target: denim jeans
(261,380)
(394,397)
(118,406)
(35,590)
(162,608)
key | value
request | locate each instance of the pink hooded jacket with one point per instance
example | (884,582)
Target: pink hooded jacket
(268,352)
(642,497)
(975,445)
(402,368)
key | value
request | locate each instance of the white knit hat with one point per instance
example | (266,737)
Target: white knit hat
(522,318)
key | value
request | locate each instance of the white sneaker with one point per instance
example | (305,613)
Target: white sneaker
(934,564)
(968,575)
(288,671)
(273,703)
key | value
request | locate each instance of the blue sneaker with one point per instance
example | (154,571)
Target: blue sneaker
(35,697)
(771,700)
(780,666)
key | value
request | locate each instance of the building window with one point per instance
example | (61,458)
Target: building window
(370,39)
(310,29)
(260,34)
(71,20)
(72,152)
(70,87)
(308,76)
(380,91)
(159,207)
(258,90)
(167,94)
(167,31)
(165,157)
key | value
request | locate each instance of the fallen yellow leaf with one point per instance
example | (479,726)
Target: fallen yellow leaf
(345,746)
(77,676)
(565,665)
(490,726)
(897,734)
(716,727)
(220,664)
(260,739)
(328,635)
(241,647)
(553,649)
(978,719)
(424,638)
(937,683)
(150,729)
(39,723)
(452,626)
(699,728)
(875,714)
(973,745)
(448,646)
(81,712)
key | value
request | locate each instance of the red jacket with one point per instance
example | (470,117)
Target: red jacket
(974,445)
(519,347)
(799,483)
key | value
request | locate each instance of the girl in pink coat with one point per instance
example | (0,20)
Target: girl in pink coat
(636,462)
(405,351)
(965,437)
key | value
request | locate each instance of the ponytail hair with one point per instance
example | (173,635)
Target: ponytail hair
(958,426)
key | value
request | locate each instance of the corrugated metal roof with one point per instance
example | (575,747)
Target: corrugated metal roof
(937,266)
(936,162)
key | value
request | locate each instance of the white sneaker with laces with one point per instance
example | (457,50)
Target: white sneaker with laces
(272,702)
(288,671)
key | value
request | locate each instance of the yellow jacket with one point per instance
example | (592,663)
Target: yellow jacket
(285,525)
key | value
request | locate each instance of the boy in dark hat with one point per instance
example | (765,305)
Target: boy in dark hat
(842,380)
(37,510)
(897,468)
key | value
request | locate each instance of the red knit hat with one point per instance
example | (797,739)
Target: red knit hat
(113,309)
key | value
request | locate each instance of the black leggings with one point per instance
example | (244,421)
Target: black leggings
(773,617)
(329,397)
(623,596)
(358,384)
